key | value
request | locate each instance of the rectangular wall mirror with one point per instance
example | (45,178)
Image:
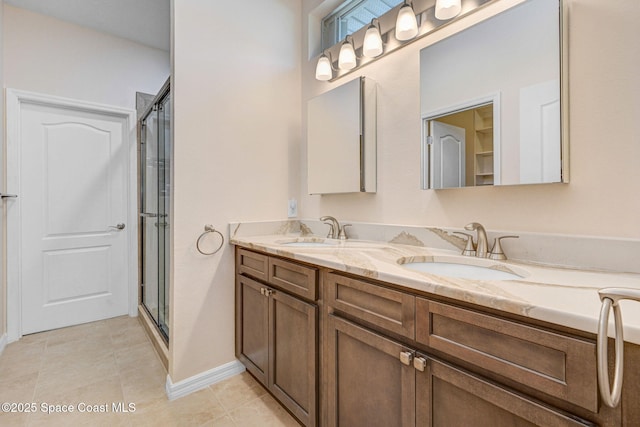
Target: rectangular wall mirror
(341,139)
(491,106)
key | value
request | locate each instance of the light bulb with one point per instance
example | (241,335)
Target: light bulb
(406,23)
(347,57)
(372,45)
(323,69)
(447,9)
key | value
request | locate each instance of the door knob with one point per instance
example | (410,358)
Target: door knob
(118,227)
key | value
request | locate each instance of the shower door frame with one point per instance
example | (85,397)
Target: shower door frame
(162,94)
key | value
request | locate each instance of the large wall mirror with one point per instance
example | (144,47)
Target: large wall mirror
(491,106)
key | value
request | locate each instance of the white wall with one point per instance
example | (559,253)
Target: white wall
(46,55)
(602,198)
(237,132)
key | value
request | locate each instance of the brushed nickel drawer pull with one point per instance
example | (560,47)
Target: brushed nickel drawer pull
(406,357)
(420,363)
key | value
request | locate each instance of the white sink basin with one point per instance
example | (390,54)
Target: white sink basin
(475,269)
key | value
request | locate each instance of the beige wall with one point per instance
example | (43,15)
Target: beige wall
(603,197)
(46,55)
(237,129)
(3,225)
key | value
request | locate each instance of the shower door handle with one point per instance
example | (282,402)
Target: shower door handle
(118,227)
(148,215)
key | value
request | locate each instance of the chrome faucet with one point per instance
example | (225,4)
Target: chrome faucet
(335,231)
(481,246)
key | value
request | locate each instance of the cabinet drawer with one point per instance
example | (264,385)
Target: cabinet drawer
(252,264)
(294,278)
(557,365)
(382,307)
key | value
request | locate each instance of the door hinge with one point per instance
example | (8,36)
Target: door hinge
(429,140)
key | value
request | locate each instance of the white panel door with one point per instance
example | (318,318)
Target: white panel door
(73,195)
(540,144)
(448,162)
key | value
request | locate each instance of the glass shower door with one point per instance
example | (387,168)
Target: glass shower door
(155,160)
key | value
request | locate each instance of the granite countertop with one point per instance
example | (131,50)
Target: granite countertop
(563,296)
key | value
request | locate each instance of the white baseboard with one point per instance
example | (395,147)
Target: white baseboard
(4,339)
(202,380)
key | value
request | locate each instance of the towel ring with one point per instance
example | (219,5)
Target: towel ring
(209,229)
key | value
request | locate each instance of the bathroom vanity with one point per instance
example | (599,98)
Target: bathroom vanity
(344,335)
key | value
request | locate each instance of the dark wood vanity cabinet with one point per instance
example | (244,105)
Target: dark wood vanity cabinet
(391,356)
(276,332)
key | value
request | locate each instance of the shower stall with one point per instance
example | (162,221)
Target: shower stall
(155,213)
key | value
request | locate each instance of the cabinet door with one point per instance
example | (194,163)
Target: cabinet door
(368,385)
(293,355)
(252,327)
(447,396)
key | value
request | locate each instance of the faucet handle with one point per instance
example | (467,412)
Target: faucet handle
(343,233)
(497,252)
(470,247)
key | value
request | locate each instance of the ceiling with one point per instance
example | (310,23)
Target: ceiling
(142,21)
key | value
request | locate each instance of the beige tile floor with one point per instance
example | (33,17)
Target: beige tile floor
(113,361)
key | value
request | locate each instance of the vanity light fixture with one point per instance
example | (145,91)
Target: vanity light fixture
(347,57)
(377,44)
(447,9)
(372,45)
(324,69)
(406,23)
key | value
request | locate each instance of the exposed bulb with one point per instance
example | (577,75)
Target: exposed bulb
(347,57)
(323,68)
(406,23)
(372,45)
(447,9)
